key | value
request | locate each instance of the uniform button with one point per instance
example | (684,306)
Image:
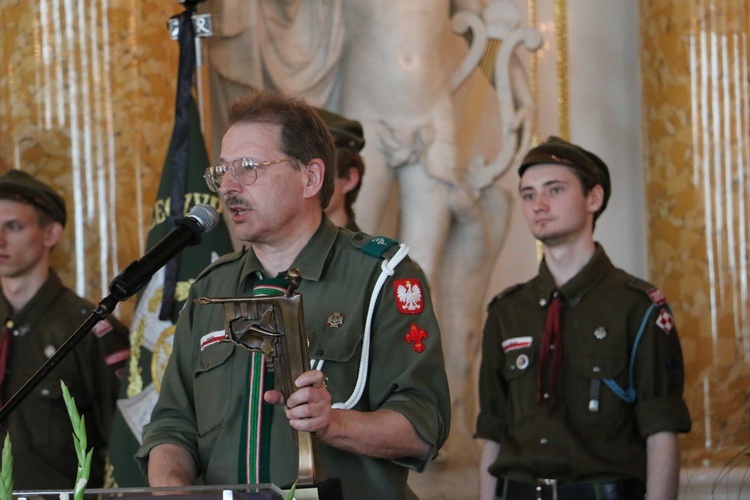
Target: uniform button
(543,441)
(319,352)
(596,369)
(45,392)
(542,302)
(206,365)
(546,395)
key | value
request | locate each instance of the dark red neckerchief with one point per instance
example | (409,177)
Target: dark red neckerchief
(6,338)
(551,341)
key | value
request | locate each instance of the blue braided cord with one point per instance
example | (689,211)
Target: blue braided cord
(629,395)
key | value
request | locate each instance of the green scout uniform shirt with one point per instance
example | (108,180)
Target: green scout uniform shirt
(352,226)
(201,400)
(44,456)
(602,313)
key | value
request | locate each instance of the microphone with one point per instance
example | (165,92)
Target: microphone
(187,232)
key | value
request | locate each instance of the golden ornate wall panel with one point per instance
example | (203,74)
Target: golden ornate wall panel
(86,104)
(697,119)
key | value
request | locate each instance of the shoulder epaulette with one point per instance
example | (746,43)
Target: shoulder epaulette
(230,257)
(507,291)
(654,293)
(374,246)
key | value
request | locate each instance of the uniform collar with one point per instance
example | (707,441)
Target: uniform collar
(580,284)
(37,306)
(311,259)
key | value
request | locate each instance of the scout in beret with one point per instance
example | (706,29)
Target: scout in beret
(38,314)
(20,186)
(581,381)
(349,140)
(587,166)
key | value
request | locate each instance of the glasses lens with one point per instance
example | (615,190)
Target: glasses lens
(214,176)
(244,171)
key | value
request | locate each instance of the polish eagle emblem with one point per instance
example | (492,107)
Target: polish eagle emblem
(409,299)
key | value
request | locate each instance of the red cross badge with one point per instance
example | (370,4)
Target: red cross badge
(409,299)
(665,321)
(415,337)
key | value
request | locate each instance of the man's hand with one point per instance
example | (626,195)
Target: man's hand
(380,434)
(308,408)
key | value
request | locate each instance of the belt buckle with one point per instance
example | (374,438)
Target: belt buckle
(541,482)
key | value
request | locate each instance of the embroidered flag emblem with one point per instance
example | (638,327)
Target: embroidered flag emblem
(212,338)
(102,328)
(657,297)
(408,296)
(516,343)
(665,321)
(116,357)
(415,337)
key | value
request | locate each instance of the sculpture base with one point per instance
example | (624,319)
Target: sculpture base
(330,489)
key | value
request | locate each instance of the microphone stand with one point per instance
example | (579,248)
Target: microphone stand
(126,284)
(105,307)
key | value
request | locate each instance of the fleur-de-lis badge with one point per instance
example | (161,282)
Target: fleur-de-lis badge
(416,337)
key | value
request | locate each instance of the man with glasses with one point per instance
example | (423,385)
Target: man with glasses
(369,320)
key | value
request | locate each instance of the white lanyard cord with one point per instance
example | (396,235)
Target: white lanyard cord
(387,269)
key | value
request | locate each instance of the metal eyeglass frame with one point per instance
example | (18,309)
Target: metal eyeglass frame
(248,171)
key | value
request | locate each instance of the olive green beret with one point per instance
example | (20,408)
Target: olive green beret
(346,133)
(557,151)
(20,186)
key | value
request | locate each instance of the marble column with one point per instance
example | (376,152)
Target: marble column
(697,142)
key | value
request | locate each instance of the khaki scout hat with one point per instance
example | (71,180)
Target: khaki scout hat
(346,133)
(20,186)
(557,151)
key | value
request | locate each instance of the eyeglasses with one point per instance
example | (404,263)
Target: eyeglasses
(244,171)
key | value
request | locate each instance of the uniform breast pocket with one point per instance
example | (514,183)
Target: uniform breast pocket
(519,374)
(213,380)
(340,351)
(592,401)
(49,423)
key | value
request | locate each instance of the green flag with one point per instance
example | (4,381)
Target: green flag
(181,187)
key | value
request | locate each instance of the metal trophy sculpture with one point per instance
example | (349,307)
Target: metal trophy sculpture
(275,327)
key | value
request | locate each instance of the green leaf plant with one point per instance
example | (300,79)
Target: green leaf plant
(290,494)
(6,472)
(79,440)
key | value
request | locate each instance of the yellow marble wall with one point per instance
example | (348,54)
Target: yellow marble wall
(86,103)
(697,140)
